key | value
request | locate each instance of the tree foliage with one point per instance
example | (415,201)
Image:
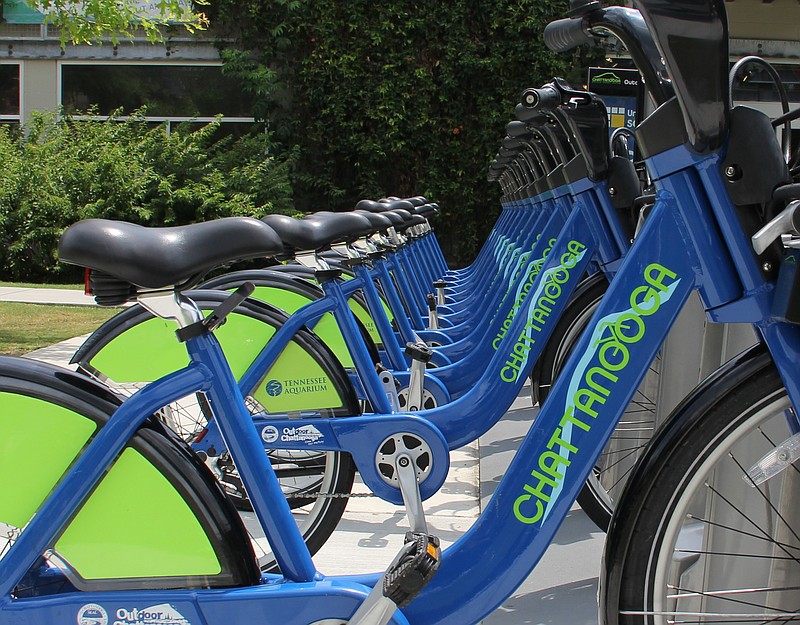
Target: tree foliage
(91,21)
(401,97)
(63,170)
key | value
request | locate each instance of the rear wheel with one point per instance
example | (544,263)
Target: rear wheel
(706,544)
(316,484)
(192,538)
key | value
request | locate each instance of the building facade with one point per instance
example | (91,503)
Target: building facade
(177,81)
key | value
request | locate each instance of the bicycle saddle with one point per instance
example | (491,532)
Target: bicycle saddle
(319,230)
(394,204)
(156,258)
(413,220)
(406,216)
(427,210)
(379,221)
(371,206)
(396,218)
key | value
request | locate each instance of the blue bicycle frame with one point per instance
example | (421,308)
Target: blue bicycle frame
(585,239)
(540,485)
(692,239)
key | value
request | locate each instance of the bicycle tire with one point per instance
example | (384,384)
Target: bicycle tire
(48,414)
(584,300)
(317,502)
(694,541)
(607,480)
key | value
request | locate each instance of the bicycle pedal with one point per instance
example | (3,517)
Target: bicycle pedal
(413,568)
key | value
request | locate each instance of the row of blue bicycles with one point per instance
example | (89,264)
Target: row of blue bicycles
(207,444)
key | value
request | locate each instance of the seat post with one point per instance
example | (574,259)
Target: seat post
(171,305)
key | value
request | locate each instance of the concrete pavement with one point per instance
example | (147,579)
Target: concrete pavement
(66,297)
(562,589)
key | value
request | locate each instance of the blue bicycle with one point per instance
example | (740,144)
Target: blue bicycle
(567,135)
(107,481)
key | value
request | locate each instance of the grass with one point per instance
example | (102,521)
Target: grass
(25,327)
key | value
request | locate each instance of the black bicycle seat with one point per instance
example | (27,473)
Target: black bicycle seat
(156,258)
(426,210)
(379,221)
(413,220)
(372,206)
(395,204)
(395,217)
(319,230)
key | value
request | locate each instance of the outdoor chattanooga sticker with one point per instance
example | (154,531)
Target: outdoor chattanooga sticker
(163,614)
(592,383)
(305,434)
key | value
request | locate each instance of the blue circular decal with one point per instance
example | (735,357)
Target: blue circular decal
(274,388)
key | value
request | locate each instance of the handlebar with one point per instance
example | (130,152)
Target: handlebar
(629,26)
(566,34)
(544,99)
(692,62)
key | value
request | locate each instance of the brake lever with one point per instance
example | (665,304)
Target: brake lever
(788,221)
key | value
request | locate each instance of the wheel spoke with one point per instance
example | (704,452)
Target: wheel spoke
(713,617)
(763,497)
(726,595)
(767,539)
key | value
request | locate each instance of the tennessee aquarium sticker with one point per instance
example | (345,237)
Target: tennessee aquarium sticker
(92,614)
(297,386)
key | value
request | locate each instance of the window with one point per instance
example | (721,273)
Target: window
(171,93)
(754,84)
(10,93)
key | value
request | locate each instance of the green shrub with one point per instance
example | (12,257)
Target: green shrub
(401,97)
(61,170)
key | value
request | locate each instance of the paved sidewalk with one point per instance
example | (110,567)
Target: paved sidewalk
(67,297)
(561,590)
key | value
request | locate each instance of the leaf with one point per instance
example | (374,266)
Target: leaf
(95,21)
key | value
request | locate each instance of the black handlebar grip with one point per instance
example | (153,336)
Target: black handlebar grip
(545,99)
(565,34)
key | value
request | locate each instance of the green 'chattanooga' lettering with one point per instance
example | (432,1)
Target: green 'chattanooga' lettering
(545,298)
(616,334)
(533,271)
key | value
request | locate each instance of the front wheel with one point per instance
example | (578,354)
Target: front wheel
(695,540)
